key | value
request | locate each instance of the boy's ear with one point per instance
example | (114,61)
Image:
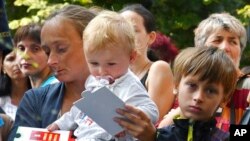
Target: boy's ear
(133,56)
(223,104)
(175,90)
(225,100)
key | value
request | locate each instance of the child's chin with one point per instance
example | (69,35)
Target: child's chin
(195,118)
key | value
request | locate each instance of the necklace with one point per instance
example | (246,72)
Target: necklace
(143,69)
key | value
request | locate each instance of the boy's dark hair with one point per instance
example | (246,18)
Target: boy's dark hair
(209,64)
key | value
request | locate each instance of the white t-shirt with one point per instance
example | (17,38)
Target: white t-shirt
(9,108)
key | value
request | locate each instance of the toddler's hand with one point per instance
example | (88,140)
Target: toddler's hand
(53,127)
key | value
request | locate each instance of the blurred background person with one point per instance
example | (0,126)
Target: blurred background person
(157,77)
(13,84)
(246,70)
(32,58)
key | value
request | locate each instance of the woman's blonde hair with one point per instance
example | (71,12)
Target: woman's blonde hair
(77,15)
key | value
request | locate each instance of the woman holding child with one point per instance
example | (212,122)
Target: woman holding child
(61,38)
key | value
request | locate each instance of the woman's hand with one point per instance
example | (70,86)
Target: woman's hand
(137,123)
(168,118)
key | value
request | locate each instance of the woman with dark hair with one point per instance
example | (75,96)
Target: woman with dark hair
(156,76)
(13,84)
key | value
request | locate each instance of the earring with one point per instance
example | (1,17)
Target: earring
(175,91)
(5,75)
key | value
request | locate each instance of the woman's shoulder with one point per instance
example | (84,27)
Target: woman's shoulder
(160,66)
(46,90)
(160,69)
(159,76)
(161,63)
(43,96)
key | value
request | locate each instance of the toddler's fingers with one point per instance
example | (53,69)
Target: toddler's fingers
(53,127)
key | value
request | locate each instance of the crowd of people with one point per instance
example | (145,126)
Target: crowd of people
(169,94)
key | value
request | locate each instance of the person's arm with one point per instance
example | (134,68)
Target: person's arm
(168,118)
(39,107)
(5,127)
(248,98)
(138,124)
(27,113)
(160,84)
(66,121)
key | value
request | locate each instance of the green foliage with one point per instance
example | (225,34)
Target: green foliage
(245,14)
(245,18)
(179,18)
(37,10)
(175,18)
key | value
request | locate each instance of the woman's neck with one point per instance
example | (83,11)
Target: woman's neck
(72,93)
(75,88)
(140,66)
(18,88)
(37,79)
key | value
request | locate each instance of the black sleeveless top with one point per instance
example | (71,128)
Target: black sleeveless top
(143,80)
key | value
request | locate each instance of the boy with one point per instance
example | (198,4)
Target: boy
(227,33)
(204,80)
(109,49)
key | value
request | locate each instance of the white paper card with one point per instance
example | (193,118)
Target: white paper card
(101,107)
